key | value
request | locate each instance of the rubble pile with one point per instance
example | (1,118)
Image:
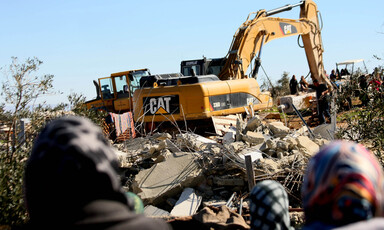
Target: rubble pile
(186,174)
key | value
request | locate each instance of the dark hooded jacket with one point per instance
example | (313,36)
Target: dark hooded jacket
(71,181)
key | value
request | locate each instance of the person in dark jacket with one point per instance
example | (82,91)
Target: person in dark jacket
(293,85)
(71,181)
(322,100)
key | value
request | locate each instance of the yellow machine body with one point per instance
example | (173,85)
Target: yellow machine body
(198,101)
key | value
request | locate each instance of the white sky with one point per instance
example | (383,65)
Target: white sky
(80,41)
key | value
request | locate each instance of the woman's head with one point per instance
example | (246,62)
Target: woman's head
(343,184)
(71,164)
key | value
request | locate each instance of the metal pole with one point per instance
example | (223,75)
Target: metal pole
(283,8)
(302,119)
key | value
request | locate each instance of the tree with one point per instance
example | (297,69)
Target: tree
(366,124)
(282,86)
(77,106)
(20,89)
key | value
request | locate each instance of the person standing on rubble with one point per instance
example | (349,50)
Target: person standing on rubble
(363,84)
(293,85)
(343,188)
(71,181)
(303,84)
(322,100)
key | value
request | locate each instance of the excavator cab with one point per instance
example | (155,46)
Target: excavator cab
(205,66)
(114,93)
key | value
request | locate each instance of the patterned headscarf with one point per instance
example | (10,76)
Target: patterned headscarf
(343,184)
(71,164)
(269,206)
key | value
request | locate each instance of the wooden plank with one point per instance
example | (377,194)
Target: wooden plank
(250,172)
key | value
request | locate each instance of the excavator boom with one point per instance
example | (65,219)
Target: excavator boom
(254,33)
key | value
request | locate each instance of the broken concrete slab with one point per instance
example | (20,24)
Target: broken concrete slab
(271,144)
(123,158)
(152,211)
(253,138)
(229,137)
(253,124)
(254,152)
(187,204)
(321,141)
(157,147)
(225,181)
(292,143)
(237,146)
(162,136)
(172,146)
(305,143)
(324,130)
(167,178)
(303,131)
(270,165)
(240,125)
(278,129)
(283,145)
(299,101)
(194,141)
(163,156)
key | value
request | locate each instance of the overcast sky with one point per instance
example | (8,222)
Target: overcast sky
(82,40)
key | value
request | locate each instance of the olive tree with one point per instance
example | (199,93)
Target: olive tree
(20,89)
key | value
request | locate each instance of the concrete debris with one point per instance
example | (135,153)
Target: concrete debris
(187,204)
(167,178)
(194,141)
(123,158)
(229,137)
(237,146)
(153,211)
(240,126)
(162,136)
(278,129)
(253,124)
(254,152)
(307,144)
(324,131)
(223,181)
(253,138)
(172,146)
(178,173)
(302,101)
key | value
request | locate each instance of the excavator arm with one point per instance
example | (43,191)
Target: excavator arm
(254,33)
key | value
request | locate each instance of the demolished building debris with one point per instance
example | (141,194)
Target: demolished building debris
(211,170)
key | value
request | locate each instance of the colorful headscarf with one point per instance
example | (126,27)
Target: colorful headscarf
(343,184)
(269,206)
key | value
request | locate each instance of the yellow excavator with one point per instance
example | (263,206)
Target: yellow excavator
(114,93)
(217,87)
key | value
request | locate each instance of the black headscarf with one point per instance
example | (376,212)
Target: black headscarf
(71,164)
